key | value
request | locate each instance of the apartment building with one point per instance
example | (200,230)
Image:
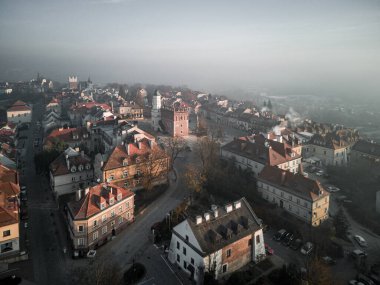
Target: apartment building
(73,137)
(98,213)
(222,240)
(19,113)
(130,164)
(302,197)
(70,171)
(9,217)
(255,152)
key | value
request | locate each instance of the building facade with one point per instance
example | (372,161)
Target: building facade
(302,197)
(73,82)
(131,164)
(221,240)
(255,152)
(70,171)
(19,113)
(97,214)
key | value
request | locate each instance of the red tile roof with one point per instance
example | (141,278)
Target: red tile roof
(8,203)
(296,183)
(67,135)
(120,153)
(59,165)
(89,205)
(19,106)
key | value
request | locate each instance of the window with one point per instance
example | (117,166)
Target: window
(120,219)
(225,268)
(192,261)
(178,246)
(125,174)
(102,206)
(80,229)
(112,177)
(257,239)
(112,200)
(127,205)
(184,250)
(229,252)
(128,215)
(126,183)
(104,230)
(113,213)
(290,207)
(282,194)
(187,238)
(290,198)
(112,223)
(95,223)
(184,264)
(178,258)
(298,201)
(138,171)
(325,210)
(120,209)
(6,233)
(104,218)
(95,235)
(250,242)
(80,241)
(305,204)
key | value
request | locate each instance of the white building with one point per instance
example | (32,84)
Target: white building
(19,113)
(221,240)
(255,152)
(70,171)
(302,197)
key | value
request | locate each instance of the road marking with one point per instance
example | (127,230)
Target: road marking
(150,279)
(163,258)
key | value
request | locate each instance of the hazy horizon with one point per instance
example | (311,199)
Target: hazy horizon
(282,47)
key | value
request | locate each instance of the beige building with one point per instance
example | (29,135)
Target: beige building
(97,214)
(9,219)
(132,164)
(302,197)
(19,113)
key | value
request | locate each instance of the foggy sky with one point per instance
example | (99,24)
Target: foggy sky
(284,46)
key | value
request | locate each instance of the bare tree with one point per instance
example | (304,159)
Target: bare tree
(318,273)
(175,146)
(100,272)
(154,167)
(207,150)
(194,178)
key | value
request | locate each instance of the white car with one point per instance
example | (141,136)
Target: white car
(320,173)
(91,253)
(360,240)
(332,189)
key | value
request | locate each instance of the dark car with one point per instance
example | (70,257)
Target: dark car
(296,244)
(279,235)
(328,260)
(287,239)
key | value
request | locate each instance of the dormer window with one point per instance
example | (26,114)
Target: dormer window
(119,196)
(125,174)
(73,169)
(112,200)
(125,162)
(102,206)
(80,167)
(85,135)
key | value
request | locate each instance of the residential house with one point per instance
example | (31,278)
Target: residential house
(72,137)
(130,111)
(221,240)
(19,113)
(54,105)
(254,152)
(131,164)
(367,153)
(9,218)
(97,214)
(70,171)
(300,196)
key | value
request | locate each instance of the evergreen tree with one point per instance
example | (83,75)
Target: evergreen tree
(270,105)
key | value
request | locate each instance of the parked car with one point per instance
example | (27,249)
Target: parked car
(269,250)
(307,248)
(296,244)
(360,240)
(365,279)
(332,189)
(357,253)
(287,239)
(91,253)
(279,235)
(328,260)
(355,282)
(320,173)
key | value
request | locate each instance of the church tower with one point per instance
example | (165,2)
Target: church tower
(156,110)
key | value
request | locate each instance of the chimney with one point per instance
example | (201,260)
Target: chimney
(127,148)
(237,205)
(198,220)
(86,191)
(207,216)
(67,162)
(139,145)
(279,138)
(77,149)
(78,195)
(228,208)
(214,209)
(300,168)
